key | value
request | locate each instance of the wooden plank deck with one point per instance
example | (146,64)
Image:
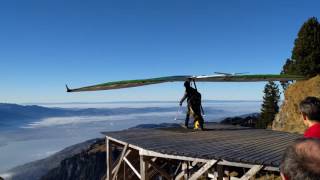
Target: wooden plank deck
(219,142)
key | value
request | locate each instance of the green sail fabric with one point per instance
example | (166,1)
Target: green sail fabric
(209,78)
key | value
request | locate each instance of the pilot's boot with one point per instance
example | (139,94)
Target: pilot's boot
(198,122)
(196,125)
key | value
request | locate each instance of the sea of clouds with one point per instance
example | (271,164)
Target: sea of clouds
(43,137)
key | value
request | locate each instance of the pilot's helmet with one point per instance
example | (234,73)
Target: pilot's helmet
(187,84)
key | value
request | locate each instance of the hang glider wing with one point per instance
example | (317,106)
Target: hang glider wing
(129,83)
(226,74)
(203,78)
(250,78)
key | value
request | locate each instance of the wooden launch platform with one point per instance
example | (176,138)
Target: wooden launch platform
(177,153)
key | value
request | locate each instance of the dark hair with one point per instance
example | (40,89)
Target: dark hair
(301,160)
(310,107)
(187,84)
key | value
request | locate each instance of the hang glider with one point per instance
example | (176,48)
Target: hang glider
(230,74)
(218,77)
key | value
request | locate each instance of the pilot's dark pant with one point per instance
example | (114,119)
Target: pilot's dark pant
(196,110)
(187,116)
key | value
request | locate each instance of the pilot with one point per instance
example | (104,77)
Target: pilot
(193,105)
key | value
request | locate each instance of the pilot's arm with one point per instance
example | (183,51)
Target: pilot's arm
(183,98)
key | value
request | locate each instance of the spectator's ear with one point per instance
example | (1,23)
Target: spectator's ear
(304,116)
(283,177)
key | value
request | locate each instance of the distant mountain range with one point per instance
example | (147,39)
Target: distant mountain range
(14,114)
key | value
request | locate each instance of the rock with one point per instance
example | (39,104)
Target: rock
(289,119)
(87,165)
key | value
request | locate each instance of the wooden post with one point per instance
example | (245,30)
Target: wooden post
(109,158)
(220,172)
(227,172)
(185,170)
(143,168)
(124,171)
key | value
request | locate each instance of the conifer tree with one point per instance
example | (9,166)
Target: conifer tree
(288,68)
(305,58)
(270,105)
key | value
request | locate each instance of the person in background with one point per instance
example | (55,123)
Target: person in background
(301,160)
(310,112)
(193,104)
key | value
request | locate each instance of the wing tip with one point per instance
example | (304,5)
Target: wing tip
(68,90)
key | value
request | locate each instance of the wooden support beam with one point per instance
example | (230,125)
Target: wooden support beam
(127,153)
(124,171)
(220,172)
(253,171)
(211,176)
(159,170)
(203,169)
(152,173)
(125,156)
(235,164)
(109,158)
(234,178)
(153,160)
(116,169)
(177,170)
(132,167)
(183,172)
(167,156)
(194,163)
(184,169)
(143,168)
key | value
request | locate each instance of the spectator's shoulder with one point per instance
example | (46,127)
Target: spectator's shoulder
(313,131)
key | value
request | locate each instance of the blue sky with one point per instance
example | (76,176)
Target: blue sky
(45,44)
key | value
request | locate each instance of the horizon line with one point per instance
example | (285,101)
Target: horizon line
(135,101)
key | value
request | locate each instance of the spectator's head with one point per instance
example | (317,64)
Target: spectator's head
(310,110)
(301,160)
